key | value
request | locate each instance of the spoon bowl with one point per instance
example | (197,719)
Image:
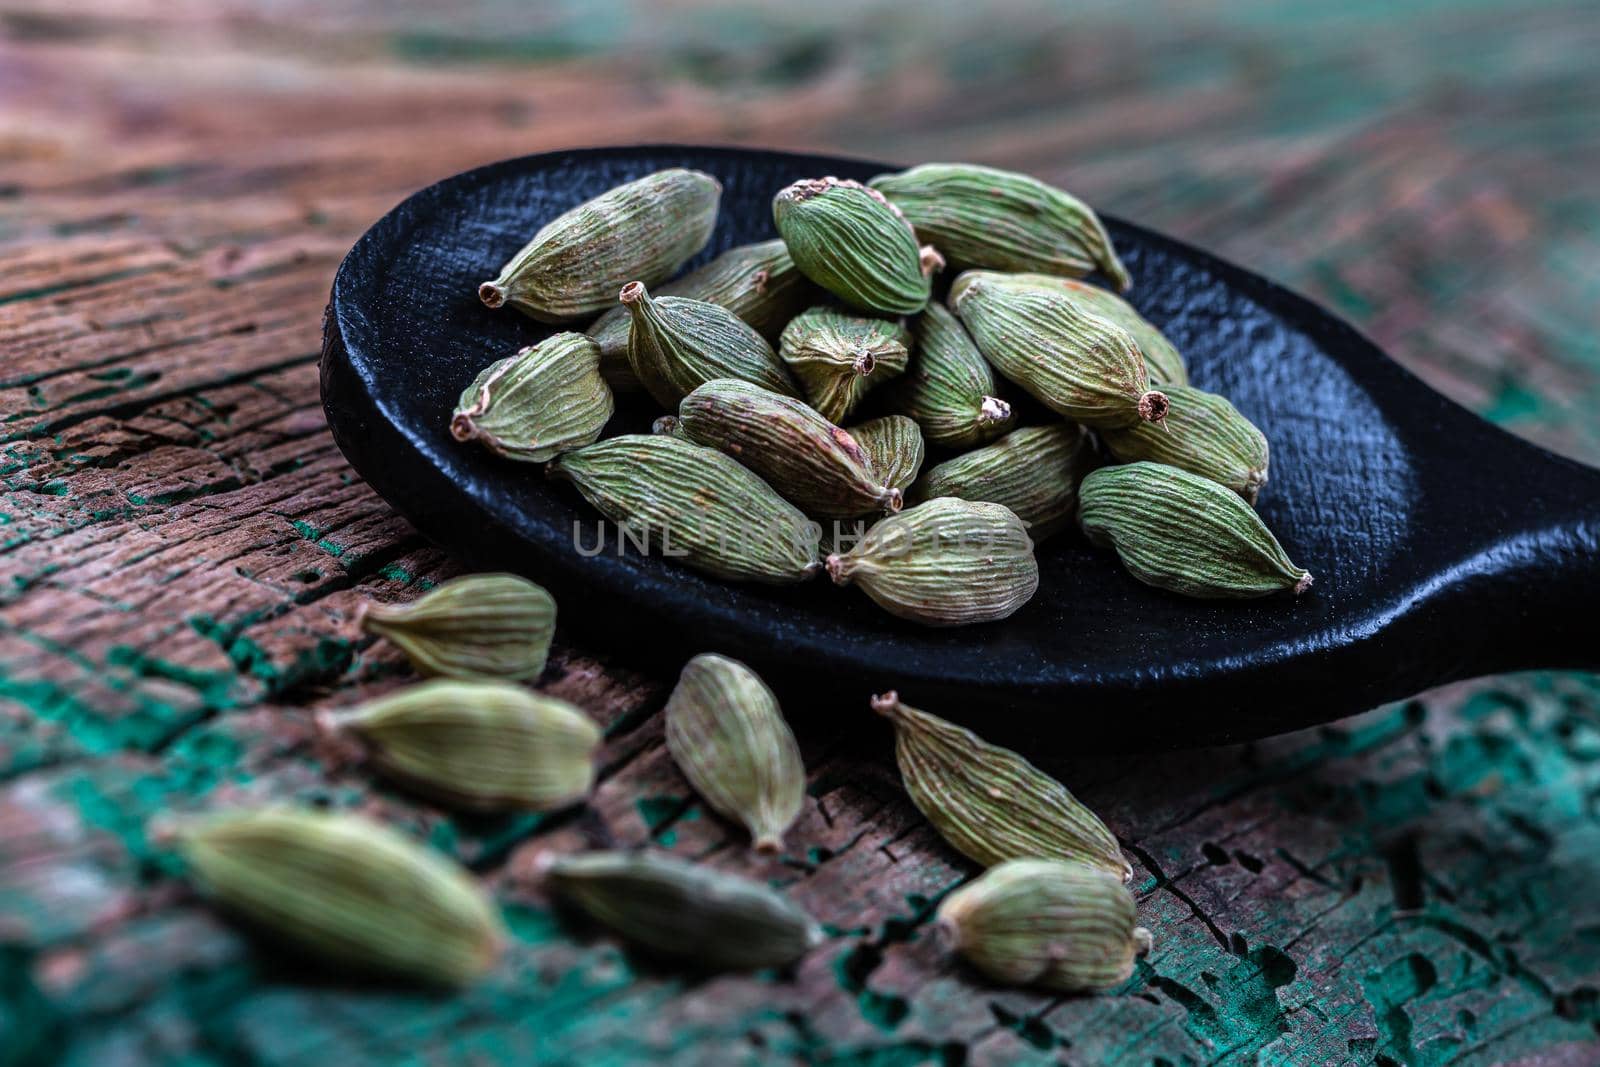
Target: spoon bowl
(1442,547)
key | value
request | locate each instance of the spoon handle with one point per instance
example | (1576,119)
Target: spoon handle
(1530,580)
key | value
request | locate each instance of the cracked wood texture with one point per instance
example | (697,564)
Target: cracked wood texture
(182,547)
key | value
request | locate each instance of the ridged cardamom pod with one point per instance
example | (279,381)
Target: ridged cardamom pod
(546,399)
(894,444)
(1047,924)
(1178,531)
(476,626)
(349,890)
(727,735)
(1033,471)
(645,230)
(985,217)
(710,918)
(1074,362)
(950,388)
(1203,434)
(676,343)
(948,562)
(696,504)
(838,357)
(757,282)
(812,463)
(851,241)
(990,803)
(1161,356)
(482,746)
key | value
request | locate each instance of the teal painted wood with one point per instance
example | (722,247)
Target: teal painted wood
(181,548)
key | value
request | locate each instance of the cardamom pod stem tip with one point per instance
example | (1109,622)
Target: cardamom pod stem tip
(1143,941)
(632,293)
(1153,406)
(865,363)
(1119,274)
(992,409)
(885,704)
(769,845)
(491,294)
(1303,584)
(932,262)
(462,428)
(836,566)
(894,500)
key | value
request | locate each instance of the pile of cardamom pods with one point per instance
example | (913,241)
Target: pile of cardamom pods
(1052,910)
(750,455)
(769,361)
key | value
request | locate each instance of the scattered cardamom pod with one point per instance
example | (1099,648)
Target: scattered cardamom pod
(1033,471)
(482,746)
(547,398)
(837,357)
(990,803)
(1204,435)
(1046,923)
(947,562)
(851,241)
(710,918)
(727,734)
(1178,531)
(1075,363)
(676,343)
(986,217)
(645,229)
(476,626)
(1161,356)
(695,503)
(757,282)
(950,387)
(349,890)
(894,444)
(812,463)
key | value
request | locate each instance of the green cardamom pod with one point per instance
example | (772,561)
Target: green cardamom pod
(838,357)
(696,504)
(645,230)
(990,803)
(676,344)
(1204,435)
(812,463)
(349,890)
(1178,531)
(985,217)
(947,562)
(727,734)
(851,241)
(757,282)
(1033,471)
(950,388)
(477,626)
(1161,356)
(546,399)
(1046,923)
(1075,363)
(482,746)
(710,918)
(894,444)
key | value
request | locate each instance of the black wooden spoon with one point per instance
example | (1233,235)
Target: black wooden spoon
(1443,548)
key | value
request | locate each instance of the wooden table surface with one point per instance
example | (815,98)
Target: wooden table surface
(182,546)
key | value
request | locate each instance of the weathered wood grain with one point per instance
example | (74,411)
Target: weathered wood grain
(182,547)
